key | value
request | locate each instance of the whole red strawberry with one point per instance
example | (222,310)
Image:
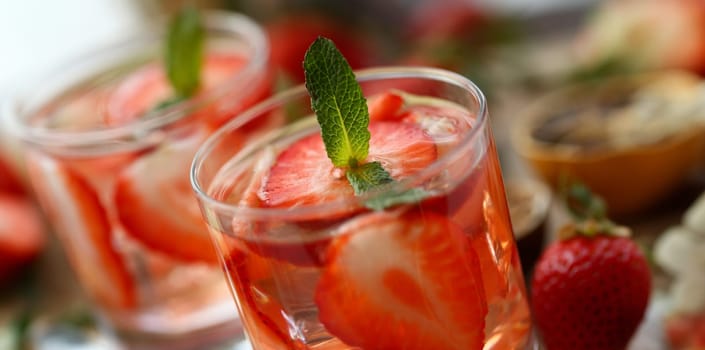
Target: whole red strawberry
(590,289)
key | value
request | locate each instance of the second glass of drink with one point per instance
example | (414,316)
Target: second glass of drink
(109,150)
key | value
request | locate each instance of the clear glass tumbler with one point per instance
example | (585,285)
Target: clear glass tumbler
(311,266)
(108,153)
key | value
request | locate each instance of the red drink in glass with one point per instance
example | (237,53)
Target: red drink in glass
(110,168)
(311,266)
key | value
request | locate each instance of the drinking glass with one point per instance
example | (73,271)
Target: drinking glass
(108,154)
(313,267)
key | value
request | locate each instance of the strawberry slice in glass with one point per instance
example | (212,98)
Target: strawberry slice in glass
(84,229)
(385,106)
(304,175)
(156,206)
(146,88)
(403,282)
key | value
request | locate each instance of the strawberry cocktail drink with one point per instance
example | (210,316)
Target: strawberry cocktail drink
(110,141)
(366,223)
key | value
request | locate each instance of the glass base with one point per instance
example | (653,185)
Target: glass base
(58,334)
(222,336)
(532,344)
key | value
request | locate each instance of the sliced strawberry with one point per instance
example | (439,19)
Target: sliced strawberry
(83,227)
(386,106)
(21,234)
(403,282)
(156,205)
(296,243)
(138,94)
(304,175)
(148,87)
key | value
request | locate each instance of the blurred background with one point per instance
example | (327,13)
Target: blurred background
(566,83)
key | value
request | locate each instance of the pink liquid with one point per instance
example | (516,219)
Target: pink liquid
(124,211)
(296,290)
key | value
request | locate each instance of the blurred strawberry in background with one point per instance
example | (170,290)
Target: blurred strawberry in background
(291,34)
(457,35)
(443,20)
(631,35)
(22,236)
(10,181)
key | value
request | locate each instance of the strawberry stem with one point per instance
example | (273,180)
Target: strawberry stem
(589,213)
(583,204)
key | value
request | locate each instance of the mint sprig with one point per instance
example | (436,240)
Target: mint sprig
(367,176)
(341,111)
(183,55)
(340,107)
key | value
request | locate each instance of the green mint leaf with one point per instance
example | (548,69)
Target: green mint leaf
(337,100)
(390,199)
(171,101)
(371,176)
(184,52)
(367,176)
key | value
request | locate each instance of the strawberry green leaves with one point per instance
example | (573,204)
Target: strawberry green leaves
(184,52)
(340,107)
(341,111)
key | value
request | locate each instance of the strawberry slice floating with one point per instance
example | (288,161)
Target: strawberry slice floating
(84,229)
(304,175)
(408,282)
(148,87)
(386,106)
(156,206)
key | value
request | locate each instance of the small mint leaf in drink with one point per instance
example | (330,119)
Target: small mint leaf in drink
(389,199)
(184,52)
(367,176)
(371,176)
(337,100)
(168,103)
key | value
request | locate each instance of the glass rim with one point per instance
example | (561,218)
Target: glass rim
(362,75)
(214,21)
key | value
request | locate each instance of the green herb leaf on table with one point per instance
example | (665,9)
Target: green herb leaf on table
(184,52)
(340,107)
(341,111)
